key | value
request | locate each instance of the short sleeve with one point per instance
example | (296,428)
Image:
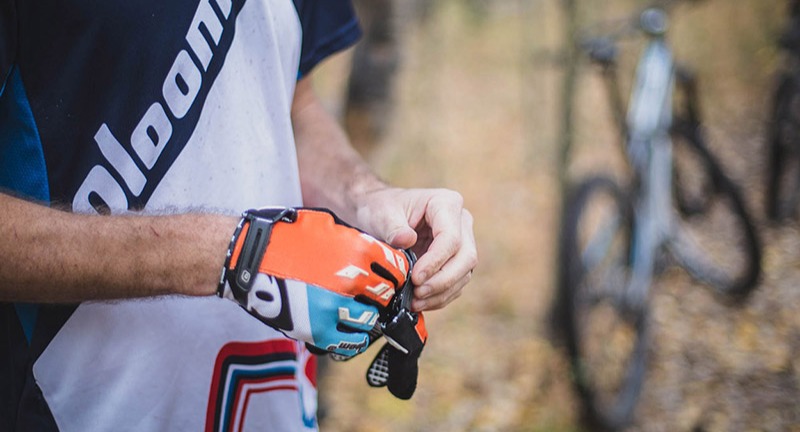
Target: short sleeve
(8,39)
(328,26)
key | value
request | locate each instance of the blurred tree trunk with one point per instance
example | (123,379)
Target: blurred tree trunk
(570,13)
(370,97)
(376,59)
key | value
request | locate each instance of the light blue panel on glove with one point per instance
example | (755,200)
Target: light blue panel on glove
(327,310)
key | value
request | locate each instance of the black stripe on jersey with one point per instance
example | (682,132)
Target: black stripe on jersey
(140,80)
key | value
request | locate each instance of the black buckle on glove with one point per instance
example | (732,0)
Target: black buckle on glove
(255,245)
(395,366)
(399,326)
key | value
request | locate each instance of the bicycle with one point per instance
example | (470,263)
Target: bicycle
(783,169)
(677,207)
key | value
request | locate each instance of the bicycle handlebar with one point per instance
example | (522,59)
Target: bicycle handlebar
(651,20)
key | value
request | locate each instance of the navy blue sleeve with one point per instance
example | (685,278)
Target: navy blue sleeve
(328,26)
(8,39)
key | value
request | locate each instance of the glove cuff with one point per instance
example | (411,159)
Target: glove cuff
(223,289)
(246,249)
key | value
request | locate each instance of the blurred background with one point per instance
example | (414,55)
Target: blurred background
(469,95)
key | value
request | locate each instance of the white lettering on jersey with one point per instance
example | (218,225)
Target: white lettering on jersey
(101,182)
(151,135)
(116,155)
(153,132)
(208,18)
(182,84)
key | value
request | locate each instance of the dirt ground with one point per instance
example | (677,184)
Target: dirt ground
(478,111)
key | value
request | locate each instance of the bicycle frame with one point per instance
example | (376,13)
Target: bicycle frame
(648,147)
(615,234)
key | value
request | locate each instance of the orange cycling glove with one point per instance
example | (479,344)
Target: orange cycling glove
(309,275)
(395,366)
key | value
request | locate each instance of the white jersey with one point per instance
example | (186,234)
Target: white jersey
(203,123)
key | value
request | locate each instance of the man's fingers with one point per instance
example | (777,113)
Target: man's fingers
(446,285)
(440,299)
(446,217)
(435,225)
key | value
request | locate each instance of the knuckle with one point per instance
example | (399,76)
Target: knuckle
(472,260)
(448,196)
(456,241)
(467,217)
(457,198)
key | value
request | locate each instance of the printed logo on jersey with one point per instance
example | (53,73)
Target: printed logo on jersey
(134,160)
(243,370)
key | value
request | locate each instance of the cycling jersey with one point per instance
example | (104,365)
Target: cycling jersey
(155,105)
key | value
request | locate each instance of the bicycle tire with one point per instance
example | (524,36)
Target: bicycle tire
(716,242)
(783,165)
(607,378)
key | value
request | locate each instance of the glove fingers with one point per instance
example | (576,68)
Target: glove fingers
(395,370)
(348,344)
(378,371)
(403,371)
(357,317)
(345,264)
(332,322)
(316,350)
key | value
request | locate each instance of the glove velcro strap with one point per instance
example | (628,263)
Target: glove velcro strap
(247,248)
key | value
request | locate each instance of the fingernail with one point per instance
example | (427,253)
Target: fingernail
(418,305)
(423,277)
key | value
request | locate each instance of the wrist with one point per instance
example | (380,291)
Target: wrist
(358,192)
(211,253)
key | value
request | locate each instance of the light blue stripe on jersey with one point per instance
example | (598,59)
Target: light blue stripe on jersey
(22,168)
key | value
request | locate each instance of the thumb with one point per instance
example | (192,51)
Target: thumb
(398,233)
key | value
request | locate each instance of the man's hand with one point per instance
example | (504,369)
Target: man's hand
(395,367)
(307,274)
(438,227)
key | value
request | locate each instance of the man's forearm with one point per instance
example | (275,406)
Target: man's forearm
(55,256)
(332,173)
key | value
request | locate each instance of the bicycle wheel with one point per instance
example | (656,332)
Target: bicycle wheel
(714,238)
(605,338)
(783,169)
